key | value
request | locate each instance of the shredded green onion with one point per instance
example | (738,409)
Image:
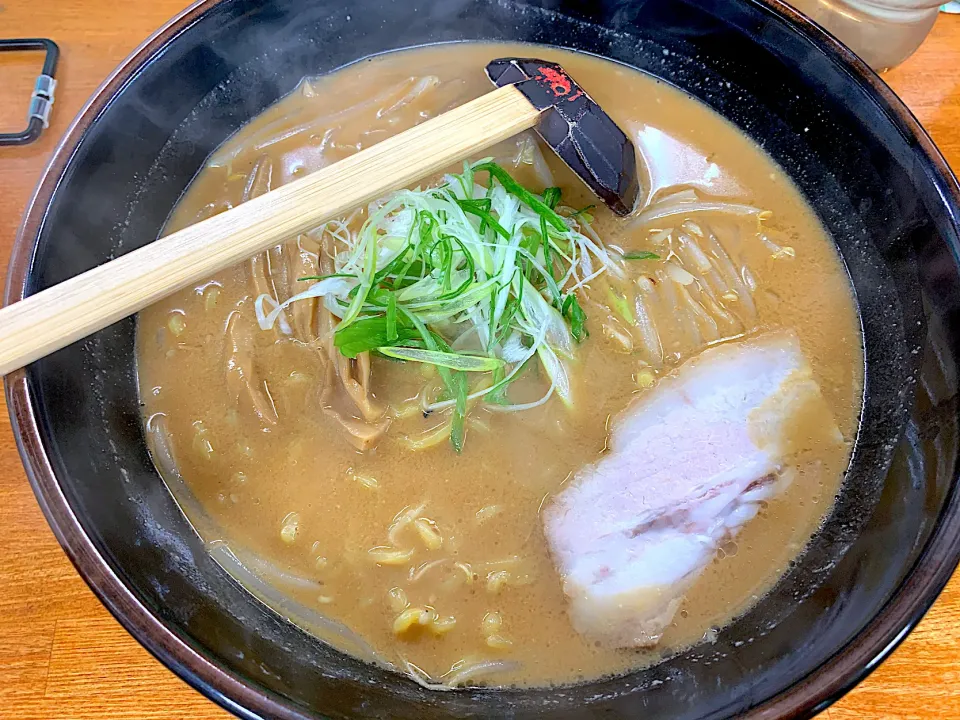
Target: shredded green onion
(619,303)
(454,361)
(495,265)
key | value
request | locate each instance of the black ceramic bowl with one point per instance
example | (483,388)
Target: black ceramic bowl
(867,168)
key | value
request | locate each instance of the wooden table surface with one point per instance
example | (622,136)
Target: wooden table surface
(62,655)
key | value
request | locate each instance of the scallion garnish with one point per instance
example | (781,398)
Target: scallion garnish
(491,268)
(576,317)
(391,318)
(453,361)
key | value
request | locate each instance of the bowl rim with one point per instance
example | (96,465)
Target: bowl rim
(809,695)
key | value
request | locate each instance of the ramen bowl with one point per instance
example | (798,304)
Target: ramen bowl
(873,177)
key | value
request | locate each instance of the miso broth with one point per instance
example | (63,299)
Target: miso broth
(325,487)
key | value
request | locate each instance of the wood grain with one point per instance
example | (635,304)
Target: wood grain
(63,656)
(54,318)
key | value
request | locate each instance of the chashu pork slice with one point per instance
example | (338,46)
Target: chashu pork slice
(687,465)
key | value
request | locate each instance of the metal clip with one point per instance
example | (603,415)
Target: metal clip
(41,102)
